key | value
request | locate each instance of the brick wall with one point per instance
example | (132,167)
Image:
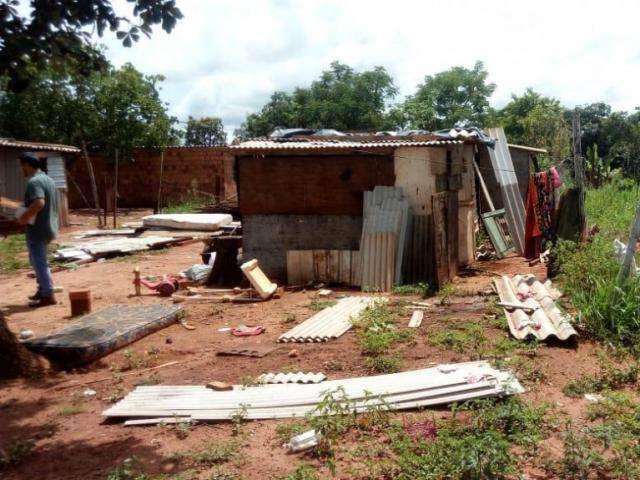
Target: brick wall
(202,171)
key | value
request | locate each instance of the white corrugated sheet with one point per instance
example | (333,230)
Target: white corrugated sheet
(397,391)
(329,323)
(53,147)
(543,318)
(337,144)
(384,235)
(56,170)
(101,247)
(188,221)
(298,377)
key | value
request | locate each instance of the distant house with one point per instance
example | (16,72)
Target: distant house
(307,194)
(53,156)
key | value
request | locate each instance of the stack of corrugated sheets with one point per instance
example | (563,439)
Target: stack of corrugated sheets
(398,391)
(542,318)
(384,234)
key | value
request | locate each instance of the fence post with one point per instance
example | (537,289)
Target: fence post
(625,270)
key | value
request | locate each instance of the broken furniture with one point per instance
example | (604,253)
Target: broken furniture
(439,385)
(331,322)
(531,310)
(225,271)
(258,279)
(100,333)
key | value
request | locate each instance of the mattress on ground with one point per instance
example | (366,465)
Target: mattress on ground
(97,334)
(188,221)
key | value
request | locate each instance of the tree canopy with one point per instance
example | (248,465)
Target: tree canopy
(58,34)
(116,109)
(341,98)
(206,131)
(455,96)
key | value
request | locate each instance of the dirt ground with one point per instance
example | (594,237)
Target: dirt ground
(72,440)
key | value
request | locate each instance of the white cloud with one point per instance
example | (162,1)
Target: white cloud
(226,57)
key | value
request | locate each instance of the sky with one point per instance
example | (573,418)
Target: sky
(226,57)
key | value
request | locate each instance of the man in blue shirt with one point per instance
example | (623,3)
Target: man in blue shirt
(41,218)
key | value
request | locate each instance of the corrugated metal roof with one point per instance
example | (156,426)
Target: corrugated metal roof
(397,391)
(543,319)
(337,144)
(53,147)
(330,322)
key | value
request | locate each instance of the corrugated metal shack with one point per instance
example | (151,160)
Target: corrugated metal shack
(306,194)
(12,183)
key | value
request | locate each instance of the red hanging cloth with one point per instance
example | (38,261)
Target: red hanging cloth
(532,232)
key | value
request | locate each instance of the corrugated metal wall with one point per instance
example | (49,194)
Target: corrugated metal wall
(12,182)
(56,170)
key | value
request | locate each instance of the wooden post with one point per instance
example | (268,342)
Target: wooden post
(625,270)
(136,280)
(92,179)
(115,194)
(483,185)
(159,202)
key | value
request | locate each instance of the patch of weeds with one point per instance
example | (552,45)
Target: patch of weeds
(289,318)
(609,377)
(383,364)
(580,459)
(500,322)
(237,420)
(285,431)
(333,366)
(446,292)
(423,289)
(15,453)
(130,469)
(317,305)
(461,338)
(212,454)
(377,329)
(190,202)
(132,361)
(504,347)
(70,410)
(249,381)
(303,472)
(153,379)
(115,396)
(180,429)
(13,253)
(526,370)
(476,446)
(220,473)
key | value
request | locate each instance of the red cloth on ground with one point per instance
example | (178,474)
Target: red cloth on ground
(532,232)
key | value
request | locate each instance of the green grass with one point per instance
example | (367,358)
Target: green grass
(188,204)
(422,289)
(13,253)
(609,377)
(378,330)
(15,453)
(317,305)
(608,311)
(465,337)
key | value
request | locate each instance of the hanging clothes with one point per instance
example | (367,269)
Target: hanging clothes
(532,232)
(546,202)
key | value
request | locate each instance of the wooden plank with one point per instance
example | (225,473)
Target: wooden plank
(453,239)
(441,247)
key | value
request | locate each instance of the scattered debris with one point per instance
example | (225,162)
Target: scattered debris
(80,301)
(258,279)
(257,351)
(416,319)
(165,287)
(157,421)
(302,442)
(298,377)
(293,353)
(247,330)
(325,293)
(540,318)
(89,393)
(97,334)
(593,397)
(396,391)
(25,334)
(186,325)
(219,386)
(198,273)
(329,323)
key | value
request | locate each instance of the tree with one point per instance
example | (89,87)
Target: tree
(455,96)
(117,109)
(58,33)
(207,131)
(532,119)
(341,98)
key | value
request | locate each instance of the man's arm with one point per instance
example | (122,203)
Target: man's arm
(35,206)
